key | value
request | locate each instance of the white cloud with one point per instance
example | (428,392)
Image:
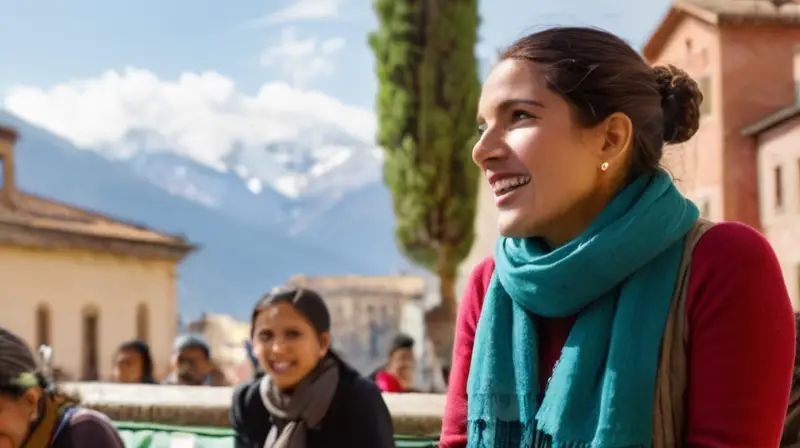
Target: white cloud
(300,10)
(201,115)
(302,59)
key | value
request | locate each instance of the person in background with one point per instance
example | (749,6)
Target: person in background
(133,364)
(602,262)
(192,364)
(33,414)
(398,374)
(308,397)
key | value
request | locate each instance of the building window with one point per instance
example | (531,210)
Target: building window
(706,88)
(91,330)
(778,178)
(143,323)
(43,335)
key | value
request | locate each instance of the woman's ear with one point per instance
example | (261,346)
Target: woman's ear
(324,343)
(30,400)
(618,136)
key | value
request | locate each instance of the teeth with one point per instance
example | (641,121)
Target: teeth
(509,183)
(280,365)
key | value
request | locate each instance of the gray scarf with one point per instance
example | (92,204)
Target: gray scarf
(293,414)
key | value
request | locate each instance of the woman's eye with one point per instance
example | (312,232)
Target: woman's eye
(481,129)
(293,334)
(520,115)
(265,335)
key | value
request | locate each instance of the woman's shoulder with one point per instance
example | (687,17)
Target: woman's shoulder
(477,284)
(734,267)
(246,402)
(85,425)
(731,247)
(353,384)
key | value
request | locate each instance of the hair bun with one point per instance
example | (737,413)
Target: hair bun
(680,100)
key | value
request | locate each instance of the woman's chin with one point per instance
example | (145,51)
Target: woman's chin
(510,226)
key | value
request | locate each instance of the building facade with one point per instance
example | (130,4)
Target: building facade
(82,282)
(367,312)
(740,53)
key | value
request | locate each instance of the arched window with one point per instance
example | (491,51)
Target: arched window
(91,340)
(43,330)
(143,323)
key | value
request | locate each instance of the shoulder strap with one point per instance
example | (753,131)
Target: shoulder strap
(668,411)
(65,419)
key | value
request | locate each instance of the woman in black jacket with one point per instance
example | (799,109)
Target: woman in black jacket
(309,398)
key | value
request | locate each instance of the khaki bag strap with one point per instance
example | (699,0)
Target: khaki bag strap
(671,379)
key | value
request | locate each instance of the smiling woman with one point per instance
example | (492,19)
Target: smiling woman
(309,397)
(610,315)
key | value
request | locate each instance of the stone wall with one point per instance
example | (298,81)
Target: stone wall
(413,414)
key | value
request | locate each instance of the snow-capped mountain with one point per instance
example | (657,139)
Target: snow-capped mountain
(315,205)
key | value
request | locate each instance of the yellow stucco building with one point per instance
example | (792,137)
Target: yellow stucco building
(83,282)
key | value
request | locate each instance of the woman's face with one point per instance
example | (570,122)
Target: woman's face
(16,416)
(543,168)
(128,367)
(402,365)
(287,345)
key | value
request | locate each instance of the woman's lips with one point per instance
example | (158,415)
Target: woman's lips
(280,366)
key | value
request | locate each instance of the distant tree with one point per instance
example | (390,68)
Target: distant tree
(427,101)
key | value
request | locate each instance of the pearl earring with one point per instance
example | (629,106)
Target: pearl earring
(603,166)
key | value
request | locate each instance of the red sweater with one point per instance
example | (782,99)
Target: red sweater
(387,382)
(741,343)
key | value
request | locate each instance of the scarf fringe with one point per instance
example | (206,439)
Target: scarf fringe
(505,434)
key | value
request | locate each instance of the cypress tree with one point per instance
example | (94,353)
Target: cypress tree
(426,106)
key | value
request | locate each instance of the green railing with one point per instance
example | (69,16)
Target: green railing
(152,435)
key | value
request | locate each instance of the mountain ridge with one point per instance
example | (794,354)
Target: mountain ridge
(244,251)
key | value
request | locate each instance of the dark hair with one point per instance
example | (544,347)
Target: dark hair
(599,74)
(19,370)
(147,359)
(306,301)
(188,341)
(399,342)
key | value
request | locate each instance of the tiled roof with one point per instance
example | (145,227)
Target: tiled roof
(722,12)
(738,9)
(45,214)
(771,121)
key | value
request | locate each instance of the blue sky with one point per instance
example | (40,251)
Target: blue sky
(56,55)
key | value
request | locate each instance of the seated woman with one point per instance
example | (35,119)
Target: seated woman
(609,315)
(309,397)
(34,415)
(398,374)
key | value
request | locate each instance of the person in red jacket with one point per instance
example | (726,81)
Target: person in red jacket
(559,333)
(398,374)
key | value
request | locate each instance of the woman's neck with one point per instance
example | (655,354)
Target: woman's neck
(572,224)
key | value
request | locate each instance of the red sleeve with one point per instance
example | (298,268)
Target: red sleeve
(741,341)
(387,382)
(454,421)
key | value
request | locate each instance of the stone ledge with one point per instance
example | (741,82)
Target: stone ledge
(413,414)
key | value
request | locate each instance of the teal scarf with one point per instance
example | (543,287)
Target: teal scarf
(618,277)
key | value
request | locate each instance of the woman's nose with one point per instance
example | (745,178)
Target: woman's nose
(489,146)
(278,346)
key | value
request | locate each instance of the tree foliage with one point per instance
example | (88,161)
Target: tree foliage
(426,105)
